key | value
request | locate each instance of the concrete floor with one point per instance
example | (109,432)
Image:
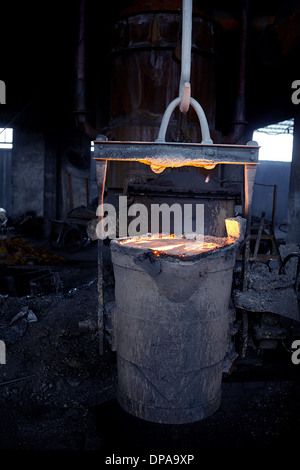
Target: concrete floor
(260,409)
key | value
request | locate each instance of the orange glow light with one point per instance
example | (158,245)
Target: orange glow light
(183,247)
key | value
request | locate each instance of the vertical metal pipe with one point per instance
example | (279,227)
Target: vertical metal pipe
(239,121)
(101,168)
(80,87)
(240,113)
(186,48)
(274,207)
(249,178)
(293,215)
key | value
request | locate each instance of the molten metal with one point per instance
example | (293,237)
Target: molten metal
(177,246)
(184,246)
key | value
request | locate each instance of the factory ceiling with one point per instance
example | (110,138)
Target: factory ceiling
(39,42)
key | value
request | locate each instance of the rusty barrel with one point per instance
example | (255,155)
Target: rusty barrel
(171,331)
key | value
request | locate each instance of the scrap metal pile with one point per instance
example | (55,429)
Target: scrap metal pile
(17,251)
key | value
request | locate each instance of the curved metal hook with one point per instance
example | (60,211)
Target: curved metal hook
(186,45)
(201,116)
(184,100)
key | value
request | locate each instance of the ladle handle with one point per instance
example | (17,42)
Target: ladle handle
(201,116)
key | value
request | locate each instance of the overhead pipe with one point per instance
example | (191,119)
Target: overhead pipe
(81,113)
(240,122)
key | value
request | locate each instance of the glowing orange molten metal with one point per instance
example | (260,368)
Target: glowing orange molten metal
(177,246)
(188,246)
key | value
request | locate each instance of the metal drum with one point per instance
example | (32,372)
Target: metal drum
(171,330)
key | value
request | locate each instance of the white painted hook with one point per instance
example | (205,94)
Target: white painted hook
(186,45)
(201,116)
(184,100)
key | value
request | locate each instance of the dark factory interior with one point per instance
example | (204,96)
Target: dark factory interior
(100,348)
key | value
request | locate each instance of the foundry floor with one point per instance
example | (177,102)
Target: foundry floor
(260,409)
(69,400)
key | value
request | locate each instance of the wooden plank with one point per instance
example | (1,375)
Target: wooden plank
(253,236)
(257,243)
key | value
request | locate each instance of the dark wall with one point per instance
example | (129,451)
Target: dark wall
(39,42)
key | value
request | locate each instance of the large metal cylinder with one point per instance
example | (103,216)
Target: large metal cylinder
(171,331)
(145,75)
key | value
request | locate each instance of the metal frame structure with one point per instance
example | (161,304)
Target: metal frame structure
(160,154)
